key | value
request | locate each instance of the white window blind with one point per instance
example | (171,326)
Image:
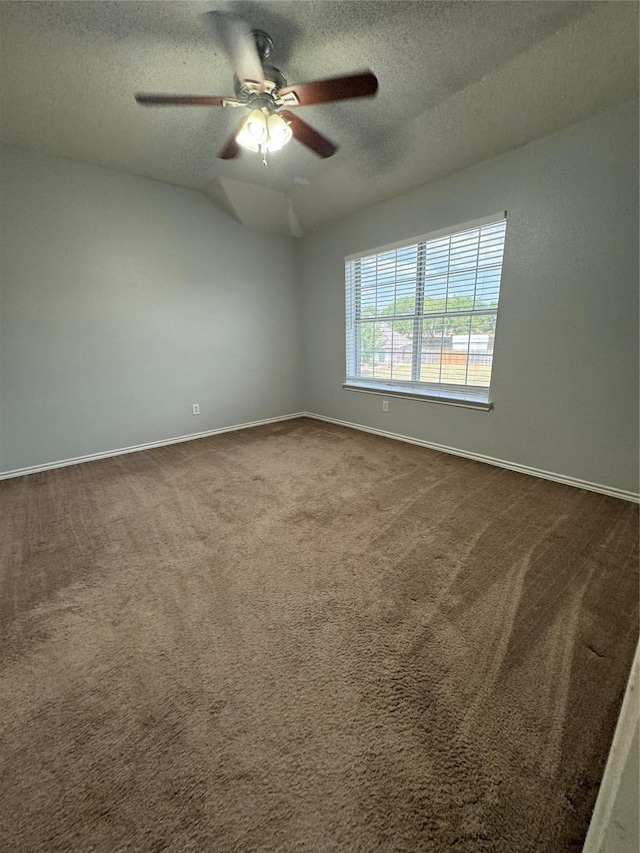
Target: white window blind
(421,317)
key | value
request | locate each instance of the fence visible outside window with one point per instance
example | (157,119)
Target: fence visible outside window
(421,317)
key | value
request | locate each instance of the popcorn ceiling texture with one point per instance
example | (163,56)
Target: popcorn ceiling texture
(300,637)
(459,83)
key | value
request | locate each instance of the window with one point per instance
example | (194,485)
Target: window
(421,316)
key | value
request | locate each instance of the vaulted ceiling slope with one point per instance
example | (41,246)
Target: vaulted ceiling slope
(459,82)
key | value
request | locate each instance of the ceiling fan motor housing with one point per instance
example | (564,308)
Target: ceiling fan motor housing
(274,80)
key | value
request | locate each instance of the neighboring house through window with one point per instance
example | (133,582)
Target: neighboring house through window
(421,315)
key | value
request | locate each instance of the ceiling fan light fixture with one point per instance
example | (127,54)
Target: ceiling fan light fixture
(264,131)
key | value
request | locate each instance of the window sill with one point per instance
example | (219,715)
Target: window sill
(466,399)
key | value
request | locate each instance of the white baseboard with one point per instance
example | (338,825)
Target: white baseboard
(62,463)
(478,457)
(489,460)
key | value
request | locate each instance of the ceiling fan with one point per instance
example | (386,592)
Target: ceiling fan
(263,90)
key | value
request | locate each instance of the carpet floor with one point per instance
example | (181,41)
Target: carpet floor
(300,637)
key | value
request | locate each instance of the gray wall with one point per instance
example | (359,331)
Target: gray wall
(124,301)
(565,378)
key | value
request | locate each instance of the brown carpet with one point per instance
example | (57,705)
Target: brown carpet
(304,638)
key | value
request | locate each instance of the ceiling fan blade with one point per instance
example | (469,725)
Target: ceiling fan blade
(236,39)
(231,149)
(334,89)
(310,137)
(181,100)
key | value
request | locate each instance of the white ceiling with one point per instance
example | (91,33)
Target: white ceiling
(459,82)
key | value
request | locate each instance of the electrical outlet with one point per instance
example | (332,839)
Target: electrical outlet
(195,409)
(385,405)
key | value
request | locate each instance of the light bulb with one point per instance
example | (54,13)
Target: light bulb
(279,132)
(253,133)
(256,126)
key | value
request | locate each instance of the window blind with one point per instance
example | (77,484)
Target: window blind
(422,316)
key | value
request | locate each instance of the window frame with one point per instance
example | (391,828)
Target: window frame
(469,396)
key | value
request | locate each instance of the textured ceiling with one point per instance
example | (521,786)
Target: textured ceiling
(459,82)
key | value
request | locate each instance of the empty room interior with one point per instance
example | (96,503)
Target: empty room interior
(319,427)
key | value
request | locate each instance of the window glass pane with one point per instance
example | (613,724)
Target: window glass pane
(437,256)
(487,288)
(381,338)
(435,291)
(431,355)
(368,269)
(406,298)
(386,297)
(483,328)
(401,357)
(464,250)
(455,356)
(491,246)
(406,264)
(466,350)
(367,346)
(368,301)
(462,286)
(405,282)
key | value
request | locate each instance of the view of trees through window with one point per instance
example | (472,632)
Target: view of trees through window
(427,312)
